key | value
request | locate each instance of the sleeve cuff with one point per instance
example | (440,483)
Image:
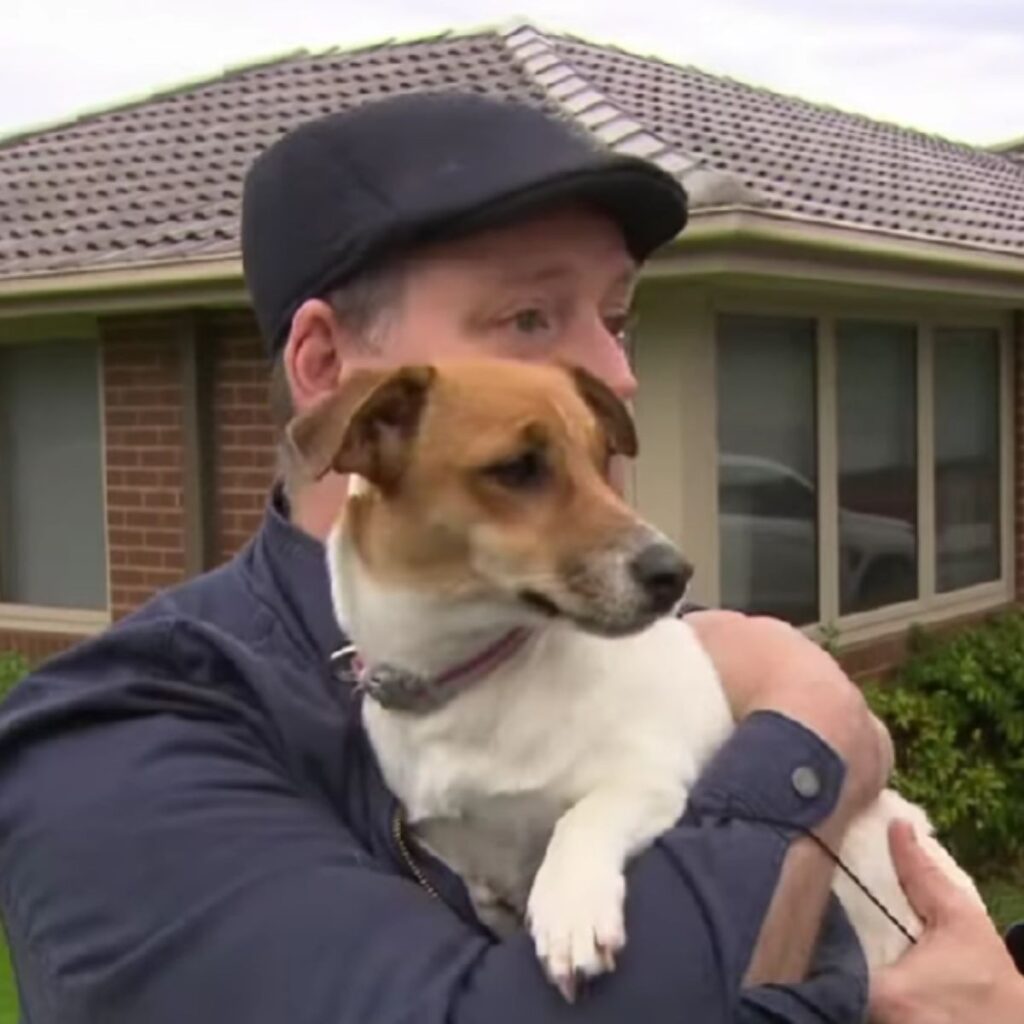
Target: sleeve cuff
(771,768)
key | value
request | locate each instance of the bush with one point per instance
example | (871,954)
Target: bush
(956,713)
(12,668)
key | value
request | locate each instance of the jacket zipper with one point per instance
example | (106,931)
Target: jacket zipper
(398,833)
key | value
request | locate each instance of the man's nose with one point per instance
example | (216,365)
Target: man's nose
(603,354)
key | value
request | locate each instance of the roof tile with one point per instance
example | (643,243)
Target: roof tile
(161,180)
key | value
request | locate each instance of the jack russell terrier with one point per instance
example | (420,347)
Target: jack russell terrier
(494,583)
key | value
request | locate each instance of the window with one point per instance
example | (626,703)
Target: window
(876,410)
(967,520)
(768,507)
(860,468)
(52,535)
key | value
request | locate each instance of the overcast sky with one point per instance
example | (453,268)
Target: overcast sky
(953,67)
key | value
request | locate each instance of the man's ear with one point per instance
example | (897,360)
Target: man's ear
(365,426)
(610,410)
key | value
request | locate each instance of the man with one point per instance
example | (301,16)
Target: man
(192,825)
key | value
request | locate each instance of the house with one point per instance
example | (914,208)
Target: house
(828,355)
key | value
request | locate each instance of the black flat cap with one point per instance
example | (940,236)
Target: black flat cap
(343,192)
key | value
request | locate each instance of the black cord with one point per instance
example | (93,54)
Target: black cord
(790,826)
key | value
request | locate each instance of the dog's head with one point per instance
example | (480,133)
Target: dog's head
(490,479)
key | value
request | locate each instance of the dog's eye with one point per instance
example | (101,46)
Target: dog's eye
(521,473)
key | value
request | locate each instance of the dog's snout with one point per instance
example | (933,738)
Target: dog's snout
(662,573)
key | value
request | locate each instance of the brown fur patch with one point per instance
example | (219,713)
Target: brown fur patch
(449,525)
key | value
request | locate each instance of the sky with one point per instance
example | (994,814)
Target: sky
(949,67)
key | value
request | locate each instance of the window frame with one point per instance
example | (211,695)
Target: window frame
(929,606)
(27,618)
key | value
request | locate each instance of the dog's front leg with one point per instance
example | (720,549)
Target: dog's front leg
(575,909)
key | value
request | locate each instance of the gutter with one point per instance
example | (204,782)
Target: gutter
(731,227)
(218,281)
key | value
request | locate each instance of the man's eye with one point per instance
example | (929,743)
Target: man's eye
(524,472)
(531,321)
(621,326)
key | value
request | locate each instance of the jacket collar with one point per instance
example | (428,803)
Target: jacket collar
(297,566)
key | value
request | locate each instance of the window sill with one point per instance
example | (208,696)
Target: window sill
(884,622)
(69,621)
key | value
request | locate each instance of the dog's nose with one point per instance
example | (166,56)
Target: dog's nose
(663,573)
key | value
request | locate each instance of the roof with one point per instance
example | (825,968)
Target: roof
(1014,150)
(160,180)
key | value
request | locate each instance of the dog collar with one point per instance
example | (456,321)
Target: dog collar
(399,689)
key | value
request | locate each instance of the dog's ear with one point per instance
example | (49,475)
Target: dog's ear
(610,410)
(364,427)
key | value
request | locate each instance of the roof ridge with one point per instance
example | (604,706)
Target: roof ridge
(1008,146)
(665,62)
(597,113)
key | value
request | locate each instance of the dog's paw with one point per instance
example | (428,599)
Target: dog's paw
(575,914)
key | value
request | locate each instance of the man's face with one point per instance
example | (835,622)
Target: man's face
(556,287)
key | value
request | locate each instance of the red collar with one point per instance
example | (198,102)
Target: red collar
(398,689)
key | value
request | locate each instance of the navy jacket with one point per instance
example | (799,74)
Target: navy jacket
(193,829)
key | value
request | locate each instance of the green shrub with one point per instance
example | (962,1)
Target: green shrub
(956,713)
(12,668)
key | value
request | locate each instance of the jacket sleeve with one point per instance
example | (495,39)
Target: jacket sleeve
(158,865)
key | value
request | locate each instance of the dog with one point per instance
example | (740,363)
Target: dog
(532,702)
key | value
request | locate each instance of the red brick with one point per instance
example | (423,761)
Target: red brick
(122,457)
(145,519)
(161,499)
(168,540)
(162,457)
(125,539)
(124,498)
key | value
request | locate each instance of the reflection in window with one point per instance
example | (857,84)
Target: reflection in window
(768,527)
(967,519)
(52,532)
(876,374)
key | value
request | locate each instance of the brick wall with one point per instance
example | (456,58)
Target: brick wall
(34,647)
(243,438)
(142,396)
(143,413)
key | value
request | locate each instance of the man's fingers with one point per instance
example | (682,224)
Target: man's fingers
(886,995)
(931,894)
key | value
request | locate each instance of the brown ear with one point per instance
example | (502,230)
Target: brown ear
(610,410)
(365,426)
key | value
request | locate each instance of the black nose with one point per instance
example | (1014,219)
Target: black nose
(663,573)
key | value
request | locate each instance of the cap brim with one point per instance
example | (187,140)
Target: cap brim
(647,204)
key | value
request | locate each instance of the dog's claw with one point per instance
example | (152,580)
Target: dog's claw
(606,954)
(576,922)
(567,985)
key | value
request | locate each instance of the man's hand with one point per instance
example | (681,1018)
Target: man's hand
(959,972)
(767,665)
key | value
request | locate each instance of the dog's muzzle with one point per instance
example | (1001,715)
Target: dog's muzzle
(662,574)
(625,587)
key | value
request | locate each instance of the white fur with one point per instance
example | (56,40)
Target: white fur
(537,784)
